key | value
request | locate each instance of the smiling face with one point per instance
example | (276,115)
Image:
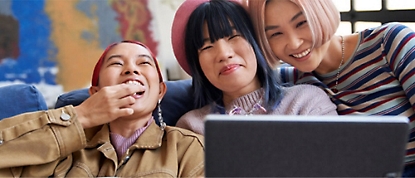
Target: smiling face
(289,35)
(229,63)
(131,63)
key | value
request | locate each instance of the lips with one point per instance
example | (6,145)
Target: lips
(228,69)
(302,54)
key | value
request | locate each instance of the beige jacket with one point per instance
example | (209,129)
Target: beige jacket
(46,143)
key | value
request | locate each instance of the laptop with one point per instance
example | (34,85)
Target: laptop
(305,146)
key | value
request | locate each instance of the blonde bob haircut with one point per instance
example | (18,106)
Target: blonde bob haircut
(322,17)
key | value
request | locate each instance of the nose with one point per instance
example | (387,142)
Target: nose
(225,50)
(131,69)
(130,72)
(294,41)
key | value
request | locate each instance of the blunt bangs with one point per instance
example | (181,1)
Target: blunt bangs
(221,20)
(222,17)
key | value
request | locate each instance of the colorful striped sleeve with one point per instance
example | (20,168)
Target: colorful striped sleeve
(399,48)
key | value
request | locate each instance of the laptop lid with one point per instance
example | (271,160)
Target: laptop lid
(303,146)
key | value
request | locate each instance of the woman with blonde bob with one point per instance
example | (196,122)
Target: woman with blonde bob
(370,72)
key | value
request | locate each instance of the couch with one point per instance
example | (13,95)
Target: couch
(20,98)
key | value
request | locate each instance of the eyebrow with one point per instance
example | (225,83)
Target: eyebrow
(292,19)
(139,56)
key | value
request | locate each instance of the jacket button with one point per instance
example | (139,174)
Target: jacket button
(65,117)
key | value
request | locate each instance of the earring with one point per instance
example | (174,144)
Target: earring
(162,123)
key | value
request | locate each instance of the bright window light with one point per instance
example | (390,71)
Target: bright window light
(367,5)
(345,28)
(342,5)
(400,4)
(359,26)
(410,25)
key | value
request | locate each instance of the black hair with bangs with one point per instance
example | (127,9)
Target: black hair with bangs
(222,17)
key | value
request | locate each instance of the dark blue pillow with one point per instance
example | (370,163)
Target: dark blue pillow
(176,102)
(20,98)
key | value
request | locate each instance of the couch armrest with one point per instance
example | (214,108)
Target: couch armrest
(20,98)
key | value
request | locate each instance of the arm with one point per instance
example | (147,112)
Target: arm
(316,100)
(399,49)
(286,74)
(292,76)
(39,138)
(44,138)
(306,99)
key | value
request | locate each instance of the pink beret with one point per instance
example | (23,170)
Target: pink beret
(179,29)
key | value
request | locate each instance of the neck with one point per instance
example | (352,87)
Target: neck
(229,97)
(333,57)
(126,127)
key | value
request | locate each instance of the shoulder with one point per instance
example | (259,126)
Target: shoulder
(183,135)
(394,25)
(303,89)
(305,99)
(195,114)
(305,93)
(386,30)
(189,149)
(194,119)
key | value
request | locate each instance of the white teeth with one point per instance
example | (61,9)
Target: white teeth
(134,82)
(300,55)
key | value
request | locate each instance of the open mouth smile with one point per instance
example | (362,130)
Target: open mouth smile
(135,82)
(302,54)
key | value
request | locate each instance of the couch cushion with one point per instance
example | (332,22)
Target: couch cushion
(20,98)
(176,102)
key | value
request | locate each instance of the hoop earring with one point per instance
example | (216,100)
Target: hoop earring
(162,123)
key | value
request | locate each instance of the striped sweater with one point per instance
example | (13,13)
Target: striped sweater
(378,79)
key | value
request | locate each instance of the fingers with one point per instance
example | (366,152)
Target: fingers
(123,90)
(108,104)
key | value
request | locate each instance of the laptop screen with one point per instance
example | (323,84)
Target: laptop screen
(303,146)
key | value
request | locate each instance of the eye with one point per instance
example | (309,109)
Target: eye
(205,47)
(146,62)
(275,34)
(116,63)
(301,23)
(234,36)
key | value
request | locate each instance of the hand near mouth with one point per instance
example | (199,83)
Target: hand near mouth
(107,104)
(138,94)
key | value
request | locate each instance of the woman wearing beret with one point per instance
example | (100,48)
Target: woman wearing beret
(230,74)
(111,134)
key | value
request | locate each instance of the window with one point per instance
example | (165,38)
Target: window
(361,14)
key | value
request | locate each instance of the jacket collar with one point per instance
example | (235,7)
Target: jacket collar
(151,138)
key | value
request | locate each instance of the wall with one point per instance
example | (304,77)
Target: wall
(54,44)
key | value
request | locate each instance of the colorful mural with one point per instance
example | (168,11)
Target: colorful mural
(54,44)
